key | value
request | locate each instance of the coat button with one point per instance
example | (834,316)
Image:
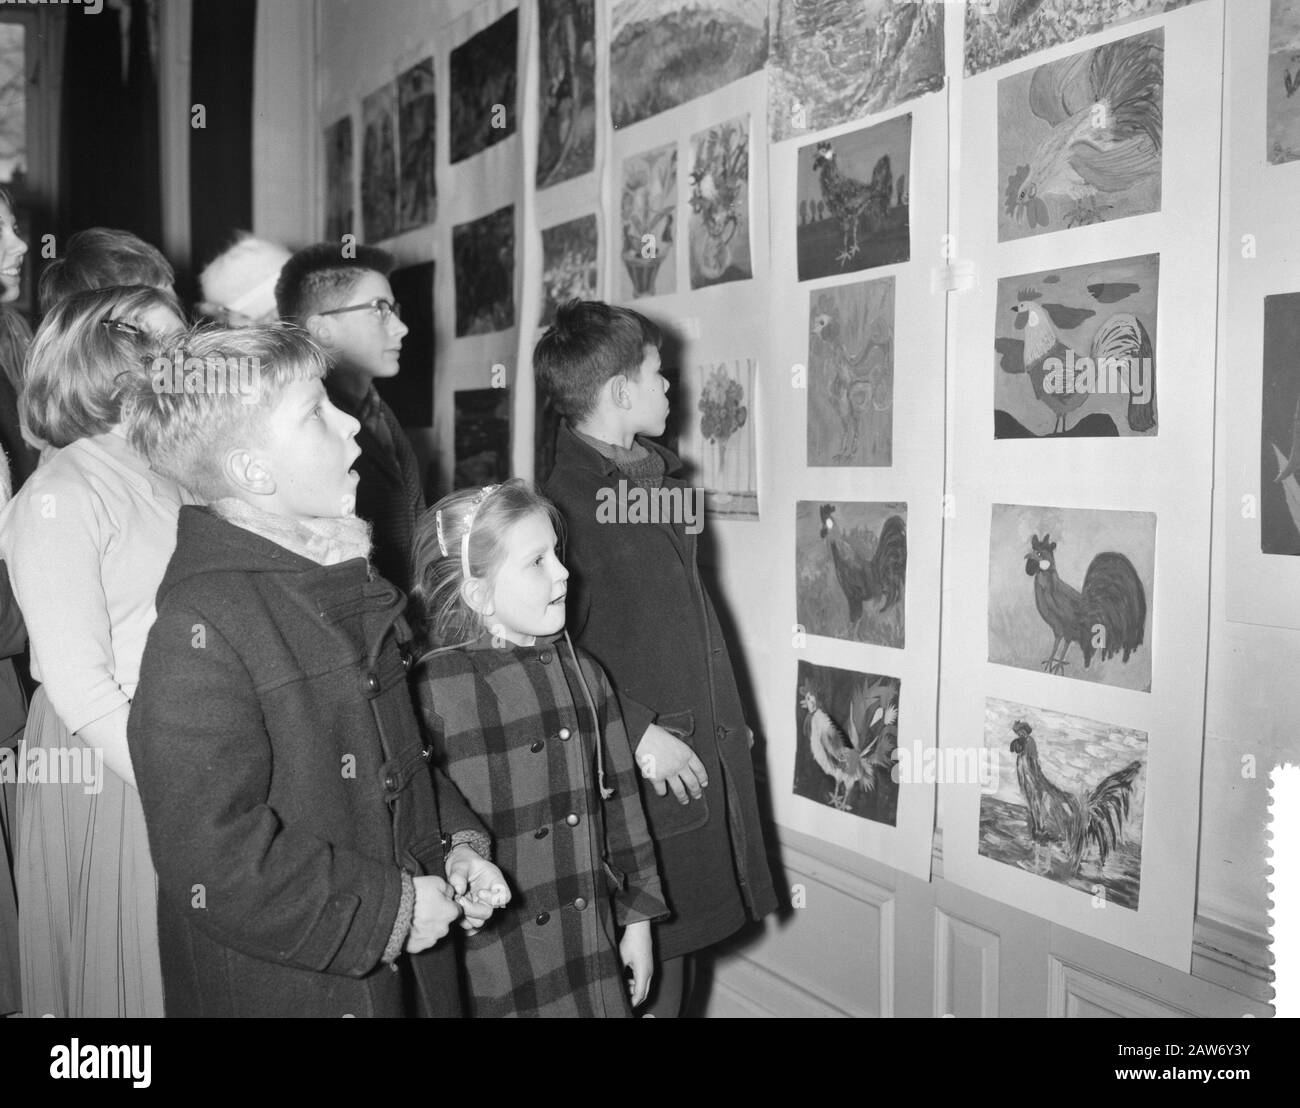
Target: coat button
(390,783)
(572,819)
(565,733)
(580,903)
(370,682)
(543,919)
(544,657)
(426,752)
(541,832)
(406,662)
(537,747)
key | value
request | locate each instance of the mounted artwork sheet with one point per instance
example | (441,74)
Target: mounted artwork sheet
(1262,325)
(379,163)
(856,397)
(1077,537)
(484,109)
(338,180)
(416,138)
(566,82)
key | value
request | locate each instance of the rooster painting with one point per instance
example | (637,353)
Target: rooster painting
(850,733)
(1069,799)
(852,201)
(1094,152)
(855,383)
(1092,574)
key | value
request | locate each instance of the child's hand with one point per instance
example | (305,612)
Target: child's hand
(435,911)
(666,762)
(479,887)
(634,949)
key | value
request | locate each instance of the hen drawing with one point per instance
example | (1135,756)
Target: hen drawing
(1105,108)
(1076,822)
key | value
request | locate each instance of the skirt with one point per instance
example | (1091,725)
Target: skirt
(87,891)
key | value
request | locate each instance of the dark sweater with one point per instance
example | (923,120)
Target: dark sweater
(285,784)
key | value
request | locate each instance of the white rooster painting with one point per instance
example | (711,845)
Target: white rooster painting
(1070,799)
(1080,139)
(1076,351)
(847,726)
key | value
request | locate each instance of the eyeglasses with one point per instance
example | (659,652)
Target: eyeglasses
(121,326)
(385,308)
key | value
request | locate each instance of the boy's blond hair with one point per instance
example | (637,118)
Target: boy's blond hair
(187,432)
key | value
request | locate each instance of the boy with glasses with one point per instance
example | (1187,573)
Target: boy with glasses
(347,306)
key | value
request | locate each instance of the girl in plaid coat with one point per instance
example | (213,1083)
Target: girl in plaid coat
(531,733)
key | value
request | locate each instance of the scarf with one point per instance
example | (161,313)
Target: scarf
(324,540)
(640,465)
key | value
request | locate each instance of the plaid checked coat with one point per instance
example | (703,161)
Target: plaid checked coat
(512,729)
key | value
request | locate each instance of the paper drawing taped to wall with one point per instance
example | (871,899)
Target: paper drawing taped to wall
(853,200)
(648,212)
(1069,799)
(338,180)
(663,52)
(851,570)
(1070,592)
(569,264)
(566,77)
(483,252)
(725,437)
(379,163)
(1279,463)
(1075,351)
(1284,82)
(719,201)
(483,105)
(851,374)
(833,62)
(847,728)
(416,122)
(1080,139)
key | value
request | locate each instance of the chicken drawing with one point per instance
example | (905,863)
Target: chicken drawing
(851,200)
(1076,821)
(1121,350)
(1105,108)
(857,382)
(862,756)
(883,577)
(1108,616)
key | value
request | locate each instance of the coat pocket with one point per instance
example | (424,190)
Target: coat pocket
(666,815)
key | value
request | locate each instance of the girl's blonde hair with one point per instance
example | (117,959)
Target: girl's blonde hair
(85,352)
(440,554)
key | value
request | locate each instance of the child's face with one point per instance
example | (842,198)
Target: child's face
(529,585)
(159,321)
(12,252)
(648,392)
(360,341)
(308,451)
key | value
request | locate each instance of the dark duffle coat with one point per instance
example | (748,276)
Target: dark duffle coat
(637,604)
(285,785)
(512,726)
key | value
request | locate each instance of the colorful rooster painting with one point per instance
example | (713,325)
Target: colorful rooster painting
(1080,140)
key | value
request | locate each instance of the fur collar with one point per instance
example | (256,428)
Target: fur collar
(323,540)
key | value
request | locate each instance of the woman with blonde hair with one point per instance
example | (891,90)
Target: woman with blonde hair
(86,545)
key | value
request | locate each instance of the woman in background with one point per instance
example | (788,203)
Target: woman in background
(86,545)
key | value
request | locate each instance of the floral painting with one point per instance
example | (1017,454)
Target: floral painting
(569,264)
(648,211)
(719,219)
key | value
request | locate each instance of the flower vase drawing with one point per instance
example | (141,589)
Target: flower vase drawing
(648,211)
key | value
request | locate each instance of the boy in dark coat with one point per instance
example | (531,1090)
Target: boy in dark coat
(346,304)
(299,842)
(637,604)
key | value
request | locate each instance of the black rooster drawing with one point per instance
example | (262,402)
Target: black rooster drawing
(851,200)
(884,577)
(1108,616)
(1291,81)
(1077,821)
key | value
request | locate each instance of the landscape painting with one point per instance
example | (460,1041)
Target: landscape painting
(1064,159)
(483,252)
(566,82)
(846,736)
(726,437)
(1284,82)
(648,214)
(851,374)
(483,88)
(851,570)
(482,437)
(1070,592)
(379,163)
(1069,800)
(853,200)
(338,180)
(416,134)
(1000,31)
(719,219)
(663,53)
(1075,351)
(1279,463)
(835,61)
(569,264)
